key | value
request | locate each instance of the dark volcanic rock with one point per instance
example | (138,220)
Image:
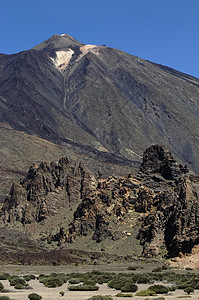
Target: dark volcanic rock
(157,159)
(46,190)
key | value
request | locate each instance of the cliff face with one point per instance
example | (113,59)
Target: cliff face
(162,199)
(46,190)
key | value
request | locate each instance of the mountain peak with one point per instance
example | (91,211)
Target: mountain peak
(58,42)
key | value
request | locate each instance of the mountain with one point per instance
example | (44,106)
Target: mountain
(98,108)
(94,98)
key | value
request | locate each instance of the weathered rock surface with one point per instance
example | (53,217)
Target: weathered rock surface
(46,190)
(163,192)
(163,195)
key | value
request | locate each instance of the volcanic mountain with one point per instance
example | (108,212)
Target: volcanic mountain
(104,104)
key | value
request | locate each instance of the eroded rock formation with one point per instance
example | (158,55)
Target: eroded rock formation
(163,195)
(45,190)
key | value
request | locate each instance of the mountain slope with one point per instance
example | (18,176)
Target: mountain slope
(70,93)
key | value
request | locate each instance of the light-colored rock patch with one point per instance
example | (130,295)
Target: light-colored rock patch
(88,48)
(62,58)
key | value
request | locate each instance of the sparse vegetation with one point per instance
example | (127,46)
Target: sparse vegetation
(129,287)
(29,277)
(146,293)
(74,281)
(34,296)
(4,298)
(124,295)
(62,293)
(189,290)
(53,280)
(1,286)
(159,289)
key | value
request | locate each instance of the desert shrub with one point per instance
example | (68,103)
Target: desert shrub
(83,288)
(29,277)
(158,269)
(4,298)
(3,277)
(89,282)
(143,279)
(159,289)
(172,288)
(74,281)
(19,286)
(53,282)
(129,287)
(1,286)
(17,280)
(189,290)
(183,285)
(34,296)
(126,295)
(7,275)
(118,283)
(104,278)
(62,293)
(146,293)
(132,268)
(99,297)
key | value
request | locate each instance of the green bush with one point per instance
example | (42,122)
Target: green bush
(189,290)
(1,286)
(29,277)
(117,283)
(17,280)
(62,293)
(83,288)
(129,287)
(132,268)
(158,269)
(19,286)
(53,282)
(74,281)
(4,298)
(143,279)
(89,282)
(34,296)
(126,295)
(146,293)
(159,289)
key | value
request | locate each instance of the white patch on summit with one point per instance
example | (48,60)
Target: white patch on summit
(62,59)
(88,48)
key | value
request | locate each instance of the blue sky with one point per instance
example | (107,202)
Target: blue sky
(161,31)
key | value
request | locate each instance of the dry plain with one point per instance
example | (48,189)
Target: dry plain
(53,293)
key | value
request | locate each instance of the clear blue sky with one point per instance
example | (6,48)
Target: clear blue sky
(162,31)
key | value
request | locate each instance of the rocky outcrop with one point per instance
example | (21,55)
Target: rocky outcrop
(46,190)
(163,192)
(163,195)
(172,223)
